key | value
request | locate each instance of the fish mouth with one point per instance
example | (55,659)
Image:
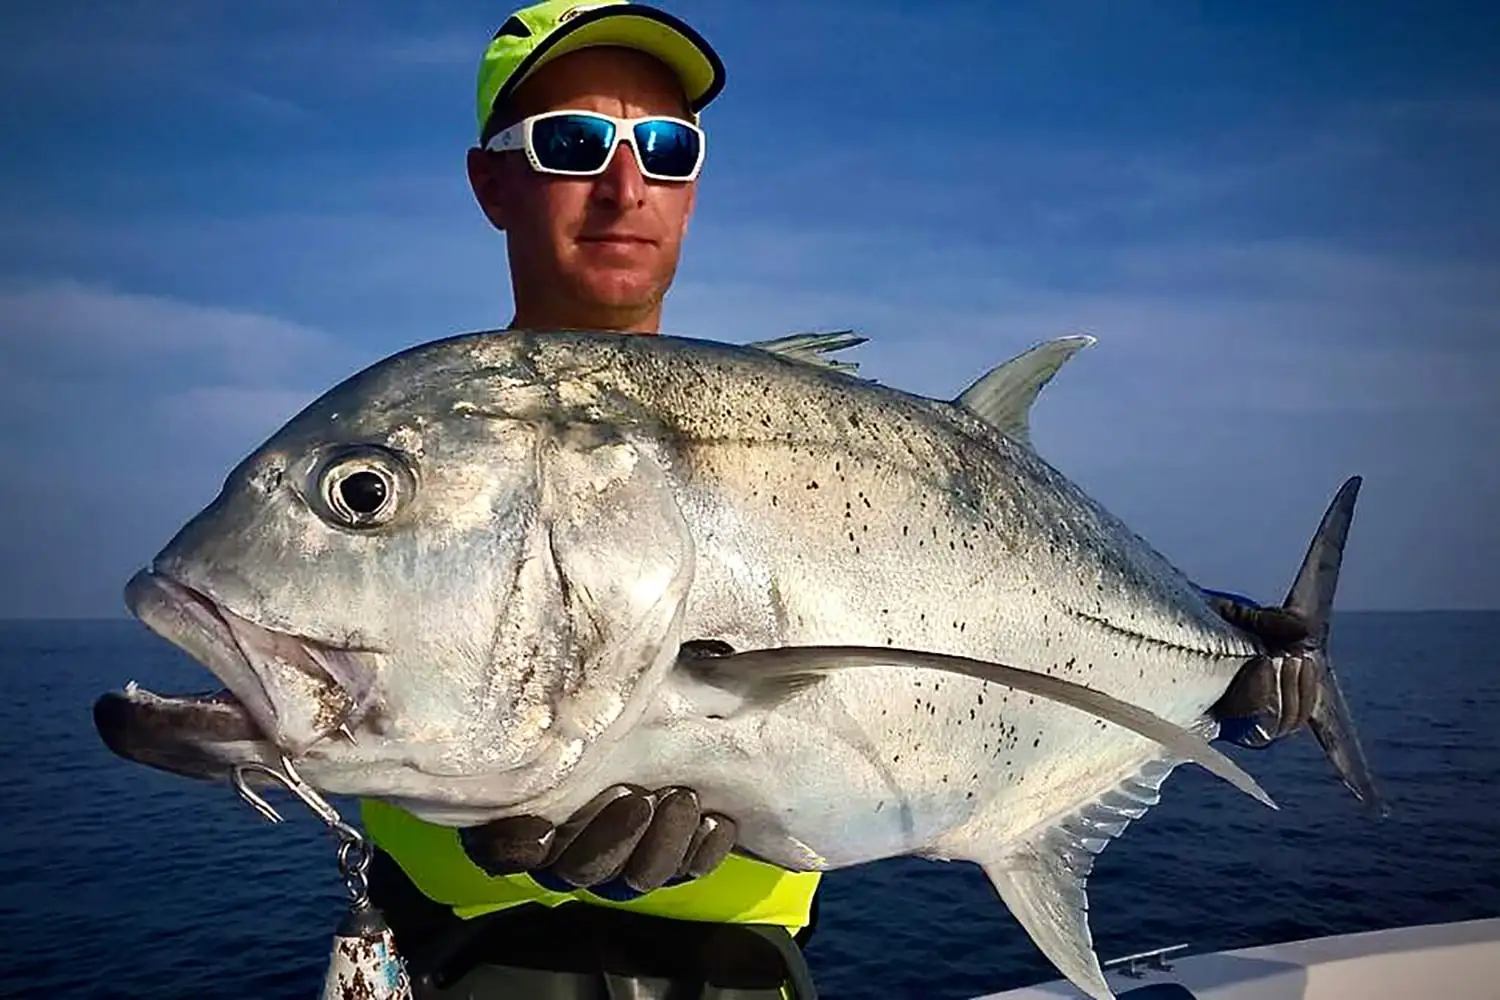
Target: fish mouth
(283,693)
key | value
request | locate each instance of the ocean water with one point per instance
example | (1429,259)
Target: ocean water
(118,881)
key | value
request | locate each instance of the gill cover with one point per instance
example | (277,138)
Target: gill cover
(594,611)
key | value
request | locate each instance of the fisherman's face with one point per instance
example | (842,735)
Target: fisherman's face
(596,251)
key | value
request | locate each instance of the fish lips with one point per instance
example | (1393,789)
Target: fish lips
(283,693)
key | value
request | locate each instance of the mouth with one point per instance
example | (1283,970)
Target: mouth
(282,694)
(617,239)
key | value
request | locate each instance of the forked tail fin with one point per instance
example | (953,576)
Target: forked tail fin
(1311,597)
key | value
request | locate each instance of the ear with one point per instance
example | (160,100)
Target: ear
(487,176)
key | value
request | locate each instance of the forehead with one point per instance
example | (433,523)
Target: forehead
(604,78)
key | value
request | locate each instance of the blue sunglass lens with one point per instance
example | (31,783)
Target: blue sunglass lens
(667,149)
(572,142)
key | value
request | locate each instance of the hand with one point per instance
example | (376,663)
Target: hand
(1280,629)
(1273,695)
(625,842)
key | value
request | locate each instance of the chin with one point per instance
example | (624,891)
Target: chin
(621,293)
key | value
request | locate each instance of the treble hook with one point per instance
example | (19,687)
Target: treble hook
(289,779)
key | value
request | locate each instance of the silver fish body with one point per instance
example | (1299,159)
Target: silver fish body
(482,557)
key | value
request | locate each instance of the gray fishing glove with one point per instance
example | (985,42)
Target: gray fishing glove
(1273,695)
(627,841)
(1281,629)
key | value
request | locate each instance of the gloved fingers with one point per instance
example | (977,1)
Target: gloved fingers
(1305,672)
(1279,628)
(626,841)
(1272,698)
(662,849)
(518,844)
(597,844)
(508,846)
(712,841)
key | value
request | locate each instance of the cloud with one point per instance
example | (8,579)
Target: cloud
(120,414)
(146,388)
(70,324)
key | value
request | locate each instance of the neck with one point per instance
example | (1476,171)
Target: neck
(579,316)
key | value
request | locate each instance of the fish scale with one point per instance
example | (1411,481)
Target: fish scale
(937,644)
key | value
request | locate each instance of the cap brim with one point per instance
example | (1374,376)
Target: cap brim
(644,29)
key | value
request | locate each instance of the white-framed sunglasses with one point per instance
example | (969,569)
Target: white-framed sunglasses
(581,144)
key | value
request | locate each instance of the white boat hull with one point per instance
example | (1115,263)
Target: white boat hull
(1456,961)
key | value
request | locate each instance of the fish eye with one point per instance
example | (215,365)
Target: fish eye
(363,493)
(364,488)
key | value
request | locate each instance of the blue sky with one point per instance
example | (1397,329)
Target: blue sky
(1281,221)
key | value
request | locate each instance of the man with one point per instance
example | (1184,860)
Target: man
(594,211)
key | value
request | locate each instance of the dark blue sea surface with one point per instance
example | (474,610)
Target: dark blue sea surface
(119,881)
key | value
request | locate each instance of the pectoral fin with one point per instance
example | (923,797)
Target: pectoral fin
(771,675)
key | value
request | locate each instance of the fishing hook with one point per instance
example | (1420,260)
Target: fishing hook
(289,779)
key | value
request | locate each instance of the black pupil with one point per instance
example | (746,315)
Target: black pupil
(363,492)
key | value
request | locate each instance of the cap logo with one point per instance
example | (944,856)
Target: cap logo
(573,12)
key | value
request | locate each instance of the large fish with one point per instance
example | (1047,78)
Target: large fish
(518,568)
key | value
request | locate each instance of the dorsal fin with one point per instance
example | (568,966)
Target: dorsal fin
(810,347)
(1003,396)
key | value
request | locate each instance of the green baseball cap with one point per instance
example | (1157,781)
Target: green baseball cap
(535,35)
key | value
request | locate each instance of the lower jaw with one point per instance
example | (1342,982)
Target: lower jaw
(198,736)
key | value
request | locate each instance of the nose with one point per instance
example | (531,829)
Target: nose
(621,186)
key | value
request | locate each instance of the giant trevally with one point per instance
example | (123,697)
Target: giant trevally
(520,567)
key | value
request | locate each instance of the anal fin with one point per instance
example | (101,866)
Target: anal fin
(1044,880)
